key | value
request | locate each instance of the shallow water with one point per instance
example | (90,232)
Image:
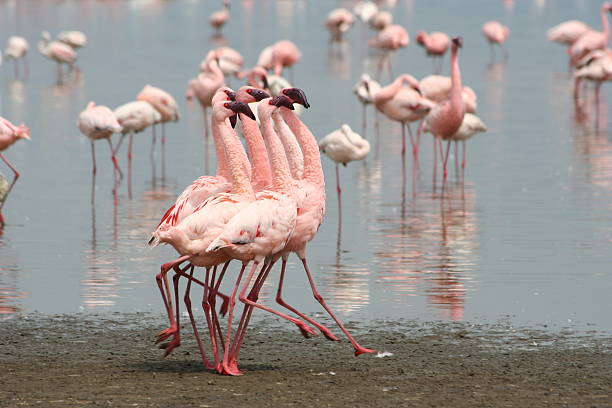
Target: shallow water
(526,238)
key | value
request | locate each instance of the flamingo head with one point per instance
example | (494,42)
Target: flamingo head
(257,94)
(420,37)
(607,6)
(458,41)
(296,95)
(22,132)
(239,107)
(282,100)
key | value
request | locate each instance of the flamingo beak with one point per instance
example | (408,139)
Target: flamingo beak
(230,94)
(264,79)
(282,100)
(297,96)
(233,119)
(258,94)
(239,107)
(458,41)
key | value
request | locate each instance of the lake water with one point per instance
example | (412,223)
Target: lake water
(526,238)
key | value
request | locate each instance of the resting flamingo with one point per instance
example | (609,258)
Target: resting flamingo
(365,10)
(99,122)
(435,44)
(338,22)
(381,20)
(446,117)
(592,40)
(390,39)
(58,52)
(16,49)
(75,39)
(230,61)
(567,32)
(365,89)
(279,55)
(496,33)
(9,134)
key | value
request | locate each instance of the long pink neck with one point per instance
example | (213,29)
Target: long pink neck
(604,23)
(389,91)
(281,175)
(234,153)
(313,172)
(214,70)
(455,93)
(260,164)
(222,167)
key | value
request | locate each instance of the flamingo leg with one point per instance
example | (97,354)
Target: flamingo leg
(463,160)
(358,348)
(279,299)
(187,300)
(93,172)
(339,190)
(435,165)
(163,150)
(176,335)
(457,157)
(213,303)
(153,140)
(403,154)
(129,156)
(162,280)
(445,161)
(225,366)
(210,323)
(114,155)
(15,177)
(364,124)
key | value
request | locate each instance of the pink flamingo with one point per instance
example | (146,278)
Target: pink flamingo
(446,117)
(261,229)
(437,88)
(230,61)
(403,104)
(597,69)
(390,39)
(567,32)
(338,22)
(75,39)
(57,51)
(365,89)
(436,44)
(16,49)
(218,19)
(592,40)
(279,55)
(204,86)
(9,134)
(99,122)
(163,103)
(192,236)
(496,33)
(380,20)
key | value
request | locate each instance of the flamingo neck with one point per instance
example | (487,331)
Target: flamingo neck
(260,164)
(222,168)
(455,97)
(604,23)
(389,91)
(234,154)
(291,146)
(281,175)
(313,172)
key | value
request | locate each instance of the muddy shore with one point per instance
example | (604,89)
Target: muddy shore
(110,360)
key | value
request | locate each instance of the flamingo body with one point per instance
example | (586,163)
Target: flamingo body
(136,116)
(365,10)
(17,47)
(162,101)
(75,39)
(344,145)
(435,43)
(98,122)
(567,32)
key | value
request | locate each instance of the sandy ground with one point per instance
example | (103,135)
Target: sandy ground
(110,360)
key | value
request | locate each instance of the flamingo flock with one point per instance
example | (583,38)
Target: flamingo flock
(266,198)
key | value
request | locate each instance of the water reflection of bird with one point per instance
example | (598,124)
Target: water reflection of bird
(389,39)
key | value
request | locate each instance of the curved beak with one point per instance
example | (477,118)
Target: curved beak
(240,107)
(458,41)
(282,100)
(231,95)
(233,119)
(297,96)
(258,94)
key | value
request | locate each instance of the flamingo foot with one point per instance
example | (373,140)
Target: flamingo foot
(361,350)
(166,333)
(329,335)
(224,306)
(306,330)
(171,345)
(230,369)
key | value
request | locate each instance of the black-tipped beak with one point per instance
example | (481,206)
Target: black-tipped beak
(458,41)
(264,79)
(233,119)
(297,96)
(282,100)
(366,85)
(416,88)
(258,94)
(243,108)
(230,94)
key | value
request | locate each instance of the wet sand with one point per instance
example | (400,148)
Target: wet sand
(110,360)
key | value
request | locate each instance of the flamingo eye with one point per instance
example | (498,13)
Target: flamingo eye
(250,91)
(226,105)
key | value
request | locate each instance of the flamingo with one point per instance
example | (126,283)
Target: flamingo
(99,122)
(445,118)
(592,40)
(260,229)
(365,10)
(279,55)
(192,236)
(230,61)
(75,39)
(163,103)
(567,32)
(390,39)
(435,44)
(437,88)
(134,117)
(597,69)
(17,48)
(218,19)
(403,104)
(57,51)
(338,22)
(381,20)
(343,146)
(204,86)
(365,89)
(9,134)
(290,144)
(496,33)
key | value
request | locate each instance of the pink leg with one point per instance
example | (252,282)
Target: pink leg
(279,299)
(15,177)
(445,161)
(463,160)
(403,154)
(93,172)
(176,338)
(210,323)
(339,190)
(225,366)
(163,151)
(413,142)
(153,143)
(358,348)
(187,300)
(114,157)
(129,156)
(435,163)
(162,280)
(214,285)
(457,157)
